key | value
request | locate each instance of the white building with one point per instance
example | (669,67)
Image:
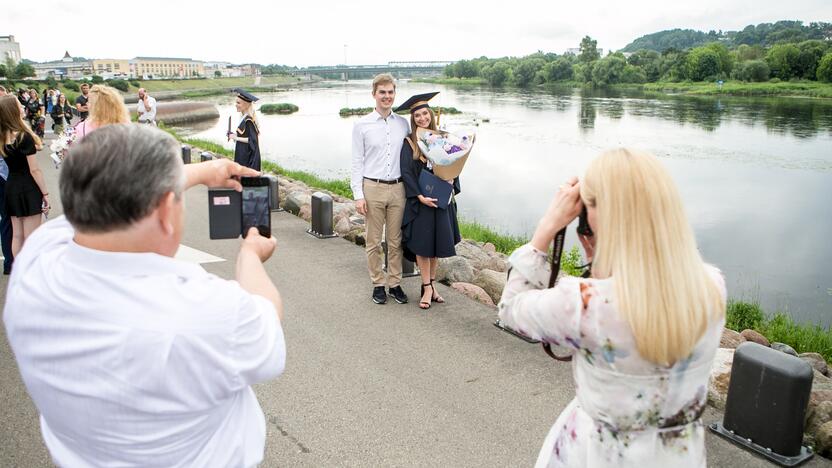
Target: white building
(66,67)
(9,49)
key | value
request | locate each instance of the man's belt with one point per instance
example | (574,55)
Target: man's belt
(388,182)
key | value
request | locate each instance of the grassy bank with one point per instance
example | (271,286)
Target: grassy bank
(206,83)
(350,111)
(452,81)
(804,338)
(741,88)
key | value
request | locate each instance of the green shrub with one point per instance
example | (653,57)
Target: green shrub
(824,72)
(71,85)
(753,70)
(279,108)
(135,84)
(741,315)
(120,85)
(97,79)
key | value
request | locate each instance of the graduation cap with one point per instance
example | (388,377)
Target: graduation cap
(417,102)
(245,95)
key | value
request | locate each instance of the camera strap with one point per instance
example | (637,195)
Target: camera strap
(557,253)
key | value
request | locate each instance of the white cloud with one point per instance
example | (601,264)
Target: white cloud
(315,32)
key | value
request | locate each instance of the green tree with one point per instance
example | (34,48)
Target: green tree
(633,74)
(23,70)
(746,52)
(97,79)
(497,74)
(526,70)
(649,61)
(703,63)
(217,74)
(783,60)
(725,61)
(582,72)
(609,70)
(3,70)
(810,54)
(824,72)
(589,50)
(558,70)
(752,70)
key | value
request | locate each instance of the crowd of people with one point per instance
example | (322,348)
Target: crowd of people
(123,377)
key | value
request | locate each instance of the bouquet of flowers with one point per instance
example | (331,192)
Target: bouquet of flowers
(60,147)
(446,151)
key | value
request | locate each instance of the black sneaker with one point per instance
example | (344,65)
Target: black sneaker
(398,295)
(379,297)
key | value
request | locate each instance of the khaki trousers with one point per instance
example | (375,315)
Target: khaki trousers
(385,208)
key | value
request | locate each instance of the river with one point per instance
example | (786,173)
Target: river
(755,173)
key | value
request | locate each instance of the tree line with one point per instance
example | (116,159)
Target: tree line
(808,60)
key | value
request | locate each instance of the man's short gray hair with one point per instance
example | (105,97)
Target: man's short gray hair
(117,175)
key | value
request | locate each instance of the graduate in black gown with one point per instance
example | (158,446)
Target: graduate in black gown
(247,135)
(428,232)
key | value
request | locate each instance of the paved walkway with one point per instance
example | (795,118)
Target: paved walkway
(367,385)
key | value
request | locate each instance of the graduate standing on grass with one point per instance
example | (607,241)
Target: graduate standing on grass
(247,135)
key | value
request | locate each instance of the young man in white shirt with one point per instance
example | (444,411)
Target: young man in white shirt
(146,108)
(134,358)
(377,186)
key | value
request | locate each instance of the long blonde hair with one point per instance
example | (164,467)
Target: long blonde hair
(253,114)
(107,106)
(11,121)
(417,152)
(644,241)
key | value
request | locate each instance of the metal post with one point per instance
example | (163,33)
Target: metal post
(274,193)
(205,156)
(186,154)
(321,216)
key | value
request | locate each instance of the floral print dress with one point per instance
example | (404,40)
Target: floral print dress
(627,412)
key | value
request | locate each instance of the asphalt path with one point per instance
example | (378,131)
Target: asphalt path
(368,385)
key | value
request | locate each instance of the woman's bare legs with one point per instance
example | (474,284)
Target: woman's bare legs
(434,264)
(22,227)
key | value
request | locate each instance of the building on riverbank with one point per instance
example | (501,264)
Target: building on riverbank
(67,67)
(149,68)
(9,49)
(111,68)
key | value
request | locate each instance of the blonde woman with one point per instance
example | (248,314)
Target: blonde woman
(106,106)
(247,136)
(26,196)
(643,329)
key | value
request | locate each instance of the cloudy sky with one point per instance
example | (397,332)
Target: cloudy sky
(316,32)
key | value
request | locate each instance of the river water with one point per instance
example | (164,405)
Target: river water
(755,173)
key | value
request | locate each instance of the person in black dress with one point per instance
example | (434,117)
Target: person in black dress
(35,113)
(247,136)
(26,196)
(428,232)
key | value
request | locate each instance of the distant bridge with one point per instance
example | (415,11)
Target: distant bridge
(390,67)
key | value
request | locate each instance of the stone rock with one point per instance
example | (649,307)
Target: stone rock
(295,200)
(489,247)
(821,389)
(474,292)
(817,416)
(356,236)
(816,361)
(343,209)
(730,339)
(497,264)
(754,336)
(720,377)
(455,270)
(475,254)
(342,226)
(492,282)
(784,348)
(305,212)
(823,439)
(357,220)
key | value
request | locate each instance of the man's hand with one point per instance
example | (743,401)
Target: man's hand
(217,173)
(259,245)
(361,207)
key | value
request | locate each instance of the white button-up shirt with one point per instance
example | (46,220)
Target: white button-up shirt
(376,149)
(137,359)
(145,114)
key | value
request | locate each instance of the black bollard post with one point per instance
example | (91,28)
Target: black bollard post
(274,193)
(767,399)
(186,154)
(205,156)
(321,216)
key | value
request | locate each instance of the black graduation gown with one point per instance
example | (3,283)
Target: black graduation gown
(426,231)
(248,154)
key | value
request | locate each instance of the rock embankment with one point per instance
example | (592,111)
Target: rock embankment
(177,113)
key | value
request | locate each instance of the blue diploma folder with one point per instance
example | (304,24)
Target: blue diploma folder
(434,187)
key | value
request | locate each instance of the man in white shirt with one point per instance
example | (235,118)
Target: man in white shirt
(134,358)
(377,186)
(146,108)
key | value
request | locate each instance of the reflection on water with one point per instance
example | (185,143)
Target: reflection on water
(755,173)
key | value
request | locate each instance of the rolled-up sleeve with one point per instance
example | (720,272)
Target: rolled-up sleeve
(357,173)
(549,315)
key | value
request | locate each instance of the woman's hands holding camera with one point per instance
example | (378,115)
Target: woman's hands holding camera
(565,207)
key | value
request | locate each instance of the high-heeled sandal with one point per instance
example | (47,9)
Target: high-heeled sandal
(422,304)
(435,297)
